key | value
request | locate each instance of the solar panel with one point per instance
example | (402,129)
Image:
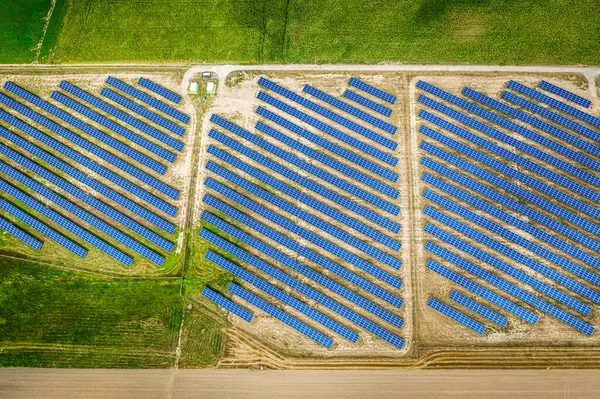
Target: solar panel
(317,172)
(151,116)
(151,101)
(328,145)
(307,235)
(309,184)
(88,163)
(365,102)
(478,308)
(297,212)
(124,117)
(304,289)
(281,316)
(384,141)
(32,222)
(328,161)
(503,216)
(509,269)
(88,146)
(499,282)
(386,127)
(570,184)
(325,128)
(65,223)
(559,91)
(299,196)
(227,304)
(513,189)
(20,234)
(367,88)
(82,214)
(280,295)
(161,91)
(517,239)
(88,129)
(456,315)
(592,120)
(478,289)
(303,251)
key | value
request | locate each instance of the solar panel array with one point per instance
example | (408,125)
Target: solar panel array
(365,102)
(20,234)
(485,184)
(227,304)
(158,89)
(456,315)
(559,91)
(367,88)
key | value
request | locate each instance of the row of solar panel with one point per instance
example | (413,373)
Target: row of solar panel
(559,91)
(295,211)
(478,308)
(158,89)
(84,127)
(365,102)
(325,128)
(317,172)
(20,234)
(300,287)
(525,195)
(500,283)
(456,315)
(315,187)
(384,141)
(385,126)
(328,145)
(145,98)
(227,304)
(372,90)
(303,251)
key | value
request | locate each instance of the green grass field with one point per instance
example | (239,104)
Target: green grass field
(22,25)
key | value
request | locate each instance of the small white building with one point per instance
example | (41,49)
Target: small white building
(193,88)
(210,88)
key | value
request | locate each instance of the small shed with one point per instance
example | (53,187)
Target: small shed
(210,88)
(193,88)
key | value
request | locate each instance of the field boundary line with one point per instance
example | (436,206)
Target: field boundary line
(38,47)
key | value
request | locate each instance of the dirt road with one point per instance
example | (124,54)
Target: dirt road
(148,384)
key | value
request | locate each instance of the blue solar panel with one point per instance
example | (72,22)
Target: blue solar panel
(559,91)
(499,214)
(350,109)
(384,141)
(90,164)
(538,123)
(509,269)
(65,223)
(297,195)
(280,295)
(478,289)
(498,282)
(315,221)
(334,148)
(315,187)
(592,120)
(307,235)
(124,117)
(317,172)
(529,134)
(331,162)
(519,192)
(88,129)
(456,315)
(158,89)
(367,88)
(552,192)
(82,214)
(303,251)
(478,308)
(566,166)
(84,178)
(304,289)
(88,146)
(20,234)
(570,184)
(227,304)
(365,102)
(151,101)
(151,116)
(42,228)
(82,196)
(284,317)
(325,128)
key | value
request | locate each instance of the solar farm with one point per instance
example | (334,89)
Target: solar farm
(333,218)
